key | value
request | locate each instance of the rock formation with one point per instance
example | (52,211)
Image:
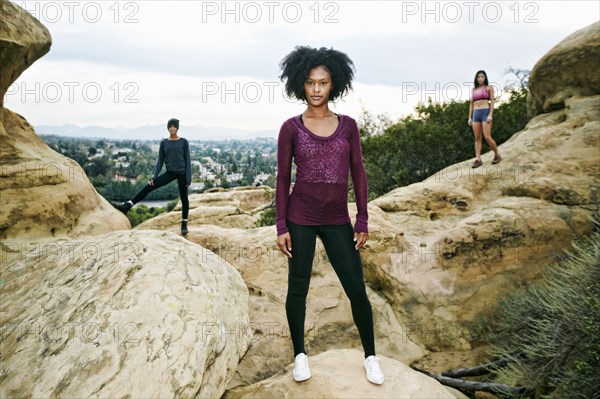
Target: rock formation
(23,40)
(569,69)
(43,193)
(124,314)
(238,207)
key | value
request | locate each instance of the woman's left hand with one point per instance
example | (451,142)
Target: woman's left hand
(360,239)
(489,119)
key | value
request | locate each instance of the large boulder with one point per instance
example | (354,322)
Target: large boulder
(23,40)
(44,194)
(569,69)
(126,314)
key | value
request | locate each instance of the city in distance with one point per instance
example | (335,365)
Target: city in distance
(152,132)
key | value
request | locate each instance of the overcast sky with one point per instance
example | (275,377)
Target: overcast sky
(215,63)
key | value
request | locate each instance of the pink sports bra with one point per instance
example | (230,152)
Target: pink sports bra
(482,94)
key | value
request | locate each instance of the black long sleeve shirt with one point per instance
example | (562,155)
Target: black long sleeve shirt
(175,154)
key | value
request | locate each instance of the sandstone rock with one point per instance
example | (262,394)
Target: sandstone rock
(439,362)
(246,198)
(569,69)
(219,215)
(23,40)
(126,314)
(44,194)
(472,236)
(238,207)
(339,373)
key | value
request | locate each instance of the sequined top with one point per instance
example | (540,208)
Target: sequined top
(320,193)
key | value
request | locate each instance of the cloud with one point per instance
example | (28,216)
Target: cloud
(389,60)
(167,54)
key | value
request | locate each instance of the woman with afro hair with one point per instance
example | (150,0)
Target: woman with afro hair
(325,147)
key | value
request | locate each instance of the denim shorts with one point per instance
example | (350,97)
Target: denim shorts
(481,114)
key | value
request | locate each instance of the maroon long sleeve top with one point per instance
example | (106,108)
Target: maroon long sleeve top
(320,193)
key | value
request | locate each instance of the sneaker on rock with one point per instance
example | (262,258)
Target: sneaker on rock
(301,370)
(373,369)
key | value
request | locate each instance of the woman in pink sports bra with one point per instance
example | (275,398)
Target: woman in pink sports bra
(480,116)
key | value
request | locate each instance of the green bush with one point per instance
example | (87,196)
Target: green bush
(171,205)
(552,329)
(267,218)
(141,213)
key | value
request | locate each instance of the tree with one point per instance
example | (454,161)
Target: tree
(371,124)
(97,166)
(521,80)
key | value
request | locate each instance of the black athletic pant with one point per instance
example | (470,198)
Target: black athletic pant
(339,243)
(165,179)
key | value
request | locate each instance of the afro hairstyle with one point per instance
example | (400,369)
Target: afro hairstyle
(296,67)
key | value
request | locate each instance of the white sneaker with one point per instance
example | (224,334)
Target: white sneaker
(301,370)
(374,373)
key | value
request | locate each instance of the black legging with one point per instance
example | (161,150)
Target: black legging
(165,179)
(339,243)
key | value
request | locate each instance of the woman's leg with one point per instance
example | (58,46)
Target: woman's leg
(183,195)
(487,133)
(477,133)
(338,241)
(160,181)
(304,239)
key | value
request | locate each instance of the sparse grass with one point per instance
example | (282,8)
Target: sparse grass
(555,325)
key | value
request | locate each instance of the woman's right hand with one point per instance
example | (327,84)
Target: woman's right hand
(470,122)
(284,242)
(151,182)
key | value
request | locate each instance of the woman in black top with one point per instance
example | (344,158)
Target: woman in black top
(174,152)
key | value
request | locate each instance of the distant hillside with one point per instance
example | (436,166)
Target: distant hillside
(152,132)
